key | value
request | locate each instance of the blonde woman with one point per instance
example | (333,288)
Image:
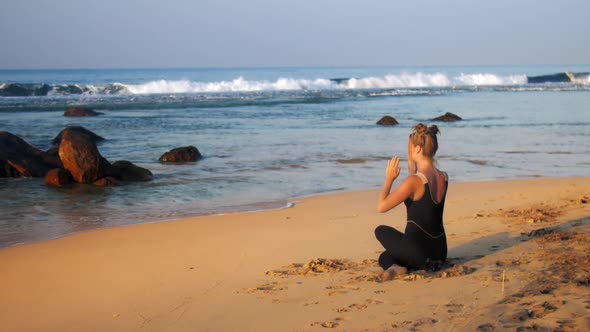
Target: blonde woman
(423,243)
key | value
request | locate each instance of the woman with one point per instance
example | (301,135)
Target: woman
(424,244)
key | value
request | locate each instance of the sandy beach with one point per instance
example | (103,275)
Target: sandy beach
(518,260)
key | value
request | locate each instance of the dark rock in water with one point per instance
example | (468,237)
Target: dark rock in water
(80,111)
(70,89)
(124,170)
(58,177)
(80,130)
(54,152)
(387,121)
(448,117)
(24,158)
(107,181)
(24,90)
(81,158)
(7,171)
(182,154)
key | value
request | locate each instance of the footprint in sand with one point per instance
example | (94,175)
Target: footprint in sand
(454,307)
(487,327)
(426,323)
(359,306)
(329,324)
(265,288)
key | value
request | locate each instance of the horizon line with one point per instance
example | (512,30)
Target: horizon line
(285,66)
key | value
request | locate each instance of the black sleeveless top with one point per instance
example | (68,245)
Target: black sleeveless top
(425,223)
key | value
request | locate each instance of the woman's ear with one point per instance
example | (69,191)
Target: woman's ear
(417,149)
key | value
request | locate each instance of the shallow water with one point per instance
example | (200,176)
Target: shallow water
(263,148)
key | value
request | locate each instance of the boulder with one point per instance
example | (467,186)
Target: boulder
(7,171)
(182,154)
(107,181)
(447,117)
(80,111)
(24,158)
(387,121)
(81,158)
(58,177)
(79,130)
(124,170)
(54,151)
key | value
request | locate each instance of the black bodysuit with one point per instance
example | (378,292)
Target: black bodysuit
(424,243)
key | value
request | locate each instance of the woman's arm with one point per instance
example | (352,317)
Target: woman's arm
(387,199)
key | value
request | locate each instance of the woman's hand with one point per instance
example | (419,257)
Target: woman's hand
(393,169)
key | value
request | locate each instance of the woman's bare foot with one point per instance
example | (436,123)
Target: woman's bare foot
(393,272)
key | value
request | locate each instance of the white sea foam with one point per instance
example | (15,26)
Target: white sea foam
(404,80)
(581,79)
(238,84)
(490,79)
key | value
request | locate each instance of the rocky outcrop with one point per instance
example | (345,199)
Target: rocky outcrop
(387,121)
(80,111)
(79,130)
(81,158)
(24,158)
(182,154)
(124,170)
(58,177)
(447,117)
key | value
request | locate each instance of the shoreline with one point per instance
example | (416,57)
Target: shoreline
(246,271)
(275,205)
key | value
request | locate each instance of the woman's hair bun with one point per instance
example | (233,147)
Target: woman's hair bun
(420,128)
(433,130)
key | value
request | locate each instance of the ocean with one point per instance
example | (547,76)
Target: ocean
(272,135)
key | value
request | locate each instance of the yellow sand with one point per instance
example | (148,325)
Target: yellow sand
(208,273)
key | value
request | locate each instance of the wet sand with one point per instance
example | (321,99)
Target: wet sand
(517,261)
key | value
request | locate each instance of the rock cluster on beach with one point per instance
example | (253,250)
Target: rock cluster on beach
(74,158)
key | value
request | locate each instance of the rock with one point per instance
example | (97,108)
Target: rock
(448,117)
(23,90)
(80,130)
(81,158)
(124,170)
(24,158)
(182,154)
(387,121)
(58,177)
(54,151)
(80,111)
(7,171)
(107,181)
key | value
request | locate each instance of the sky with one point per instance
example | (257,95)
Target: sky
(56,34)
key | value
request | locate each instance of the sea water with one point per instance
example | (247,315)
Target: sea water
(272,135)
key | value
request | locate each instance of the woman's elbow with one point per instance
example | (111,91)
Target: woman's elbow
(381,208)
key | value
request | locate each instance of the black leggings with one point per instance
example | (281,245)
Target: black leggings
(409,249)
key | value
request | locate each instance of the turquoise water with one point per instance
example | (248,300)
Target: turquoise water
(270,135)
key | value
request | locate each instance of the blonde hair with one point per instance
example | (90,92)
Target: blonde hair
(425,137)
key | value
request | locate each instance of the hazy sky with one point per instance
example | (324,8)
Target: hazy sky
(243,33)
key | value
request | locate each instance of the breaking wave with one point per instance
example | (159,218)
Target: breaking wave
(240,84)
